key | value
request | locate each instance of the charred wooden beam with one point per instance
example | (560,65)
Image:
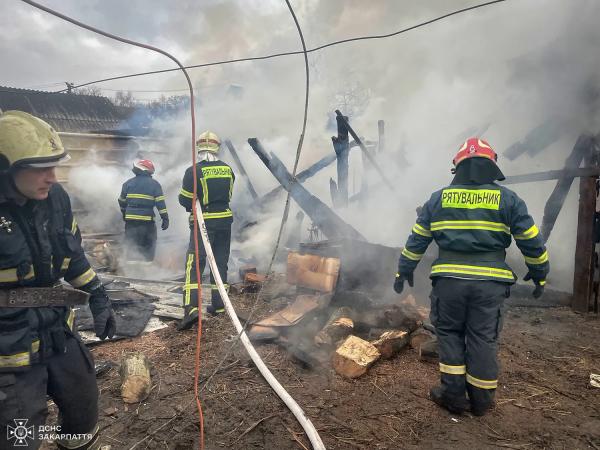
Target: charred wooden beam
(241,168)
(364,149)
(537,139)
(341,146)
(302,176)
(557,198)
(328,222)
(553,175)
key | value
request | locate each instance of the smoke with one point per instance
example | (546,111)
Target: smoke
(505,69)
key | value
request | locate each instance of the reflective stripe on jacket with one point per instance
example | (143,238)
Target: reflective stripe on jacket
(139,196)
(469,223)
(214,189)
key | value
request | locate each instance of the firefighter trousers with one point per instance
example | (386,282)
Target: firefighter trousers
(70,380)
(219,236)
(140,240)
(467,316)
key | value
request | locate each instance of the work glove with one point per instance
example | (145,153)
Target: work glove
(539,287)
(105,324)
(400,279)
(165,223)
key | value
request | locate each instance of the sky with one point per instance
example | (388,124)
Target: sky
(498,71)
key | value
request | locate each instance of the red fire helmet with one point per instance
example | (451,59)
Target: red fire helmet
(475,148)
(144,164)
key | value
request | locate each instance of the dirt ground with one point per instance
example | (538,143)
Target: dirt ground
(544,399)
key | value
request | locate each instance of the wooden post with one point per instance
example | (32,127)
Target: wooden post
(341,145)
(583,277)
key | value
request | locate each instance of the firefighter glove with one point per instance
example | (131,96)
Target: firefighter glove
(165,223)
(539,285)
(105,324)
(400,279)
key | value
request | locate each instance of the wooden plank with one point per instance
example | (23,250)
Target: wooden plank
(552,175)
(584,250)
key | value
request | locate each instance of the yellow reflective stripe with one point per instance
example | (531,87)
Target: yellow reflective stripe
(469,225)
(121,200)
(542,282)
(71,319)
(214,286)
(84,278)
(482,384)
(543,258)
(138,217)
(411,255)
(65,264)
(190,286)
(16,360)
(422,231)
(530,233)
(35,346)
(10,275)
(73,226)
(217,215)
(162,211)
(471,198)
(159,198)
(193,310)
(186,194)
(142,196)
(472,270)
(204,191)
(188,278)
(453,370)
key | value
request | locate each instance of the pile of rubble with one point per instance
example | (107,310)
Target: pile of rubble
(323,325)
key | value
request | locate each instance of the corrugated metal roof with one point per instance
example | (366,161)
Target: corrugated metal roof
(66,112)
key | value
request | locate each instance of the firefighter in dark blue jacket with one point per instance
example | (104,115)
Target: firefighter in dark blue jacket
(41,354)
(139,196)
(472,221)
(214,190)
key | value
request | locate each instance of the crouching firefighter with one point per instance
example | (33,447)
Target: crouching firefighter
(214,189)
(40,244)
(139,196)
(472,221)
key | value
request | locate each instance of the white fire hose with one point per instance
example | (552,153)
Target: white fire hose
(304,421)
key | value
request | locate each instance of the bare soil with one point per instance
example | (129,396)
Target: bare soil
(544,400)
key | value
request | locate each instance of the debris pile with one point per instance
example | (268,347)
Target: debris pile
(325,325)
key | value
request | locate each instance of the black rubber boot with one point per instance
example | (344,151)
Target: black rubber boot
(454,404)
(188,321)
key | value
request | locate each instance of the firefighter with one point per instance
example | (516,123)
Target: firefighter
(214,190)
(139,196)
(472,221)
(40,244)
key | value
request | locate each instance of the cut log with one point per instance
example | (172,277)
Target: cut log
(420,337)
(245,270)
(429,351)
(254,278)
(313,271)
(338,327)
(135,378)
(392,317)
(354,357)
(391,342)
(261,333)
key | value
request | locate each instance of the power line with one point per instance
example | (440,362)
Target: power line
(312,50)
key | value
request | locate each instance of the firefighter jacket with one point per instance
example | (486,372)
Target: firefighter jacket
(214,190)
(40,243)
(139,196)
(473,225)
